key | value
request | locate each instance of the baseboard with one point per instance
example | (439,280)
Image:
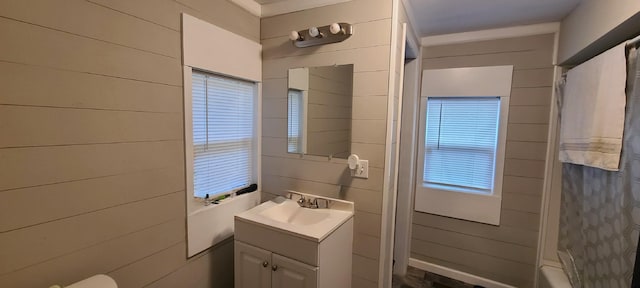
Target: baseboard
(457,275)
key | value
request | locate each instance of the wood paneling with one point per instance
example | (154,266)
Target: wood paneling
(519,219)
(533,78)
(45,126)
(359,282)
(36,205)
(528,132)
(528,59)
(526,150)
(166,13)
(499,46)
(122,29)
(522,185)
(524,168)
(112,255)
(147,270)
(92,150)
(205,270)
(505,253)
(530,96)
(367,223)
(528,115)
(34,45)
(521,203)
(366,245)
(69,89)
(50,240)
(320,171)
(373,83)
(509,234)
(362,131)
(514,273)
(490,247)
(35,166)
(365,268)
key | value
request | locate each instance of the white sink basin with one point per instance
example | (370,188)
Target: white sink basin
(290,212)
(287,216)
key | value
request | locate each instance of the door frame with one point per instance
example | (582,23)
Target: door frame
(408,147)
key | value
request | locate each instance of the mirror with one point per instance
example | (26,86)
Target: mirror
(319,110)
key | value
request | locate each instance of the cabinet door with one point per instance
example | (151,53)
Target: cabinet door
(288,273)
(252,266)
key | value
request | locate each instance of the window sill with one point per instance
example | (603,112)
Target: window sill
(431,186)
(208,225)
(475,207)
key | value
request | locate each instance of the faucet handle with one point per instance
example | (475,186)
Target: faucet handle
(301,201)
(291,193)
(316,203)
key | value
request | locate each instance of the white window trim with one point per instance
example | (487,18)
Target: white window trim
(239,58)
(478,82)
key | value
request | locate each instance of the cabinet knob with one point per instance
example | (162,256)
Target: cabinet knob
(265,264)
(274,267)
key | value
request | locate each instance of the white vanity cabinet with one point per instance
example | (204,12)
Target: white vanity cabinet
(252,266)
(291,273)
(259,268)
(312,252)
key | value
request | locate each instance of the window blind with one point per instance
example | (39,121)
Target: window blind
(294,142)
(460,142)
(223,133)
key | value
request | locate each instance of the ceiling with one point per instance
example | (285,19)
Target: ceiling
(436,17)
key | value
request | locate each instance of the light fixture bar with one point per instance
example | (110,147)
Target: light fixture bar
(326,35)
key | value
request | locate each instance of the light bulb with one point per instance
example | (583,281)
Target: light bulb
(314,32)
(335,28)
(294,36)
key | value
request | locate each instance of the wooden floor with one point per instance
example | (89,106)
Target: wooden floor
(416,278)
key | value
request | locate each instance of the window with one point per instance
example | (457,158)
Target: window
(223,133)
(295,121)
(461,142)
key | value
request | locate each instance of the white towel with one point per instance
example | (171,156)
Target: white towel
(593,108)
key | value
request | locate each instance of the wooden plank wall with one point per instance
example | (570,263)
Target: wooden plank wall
(91,142)
(506,253)
(368,49)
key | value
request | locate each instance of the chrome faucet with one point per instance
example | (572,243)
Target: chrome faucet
(308,202)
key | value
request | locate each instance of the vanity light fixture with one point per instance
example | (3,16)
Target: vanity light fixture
(336,32)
